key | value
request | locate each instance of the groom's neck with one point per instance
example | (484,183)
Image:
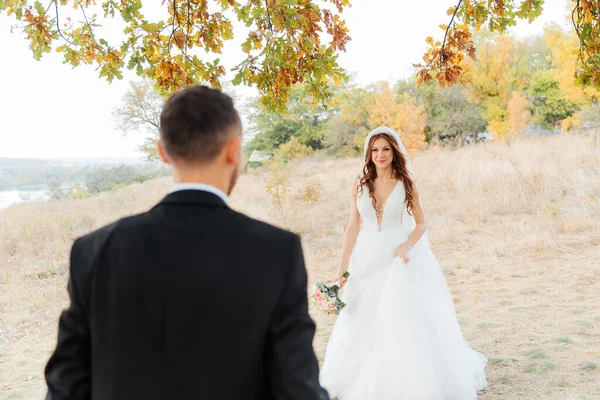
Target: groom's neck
(209,175)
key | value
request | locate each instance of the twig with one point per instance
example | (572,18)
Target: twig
(269,15)
(163,28)
(583,43)
(576,26)
(86,19)
(58,25)
(184,51)
(28,25)
(171,37)
(48,8)
(175,27)
(99,47)
(447,29)
(187,36)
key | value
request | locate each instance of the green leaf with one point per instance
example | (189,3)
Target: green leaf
(318,74)
(309,45)
(228,34)
(246,46)
(291,12)
(39,8)
(237,79)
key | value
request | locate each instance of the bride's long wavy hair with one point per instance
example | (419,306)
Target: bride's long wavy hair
(398,166)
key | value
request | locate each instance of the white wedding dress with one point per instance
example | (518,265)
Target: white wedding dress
(398,337)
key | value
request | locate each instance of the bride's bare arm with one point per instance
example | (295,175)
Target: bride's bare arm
(418,232)
(352,230)
(419,215)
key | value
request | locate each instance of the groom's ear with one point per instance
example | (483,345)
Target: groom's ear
(233,150)
(161,152)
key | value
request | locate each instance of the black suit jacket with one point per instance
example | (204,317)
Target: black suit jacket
(190,300)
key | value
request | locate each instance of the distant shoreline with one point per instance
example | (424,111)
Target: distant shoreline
(12,197)
(25,188)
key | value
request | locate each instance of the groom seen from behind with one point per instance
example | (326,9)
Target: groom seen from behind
(190,299)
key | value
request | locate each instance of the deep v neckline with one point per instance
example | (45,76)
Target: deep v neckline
(390,194)
(379,223)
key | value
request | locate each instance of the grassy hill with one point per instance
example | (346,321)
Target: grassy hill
(516,228)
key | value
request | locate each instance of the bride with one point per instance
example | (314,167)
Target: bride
(398,337)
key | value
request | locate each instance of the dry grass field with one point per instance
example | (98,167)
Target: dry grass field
(515,226)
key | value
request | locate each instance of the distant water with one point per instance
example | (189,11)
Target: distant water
(10,197)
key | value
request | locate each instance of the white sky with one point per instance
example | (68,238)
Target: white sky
(50,110)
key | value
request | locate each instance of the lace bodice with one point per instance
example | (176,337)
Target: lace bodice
(393,209)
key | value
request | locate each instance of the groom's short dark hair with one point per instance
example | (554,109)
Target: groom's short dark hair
(196,122)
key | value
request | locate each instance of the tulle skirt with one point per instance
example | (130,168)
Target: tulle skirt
(398,337)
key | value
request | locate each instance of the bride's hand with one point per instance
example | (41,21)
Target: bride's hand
(403,252)
(340,280)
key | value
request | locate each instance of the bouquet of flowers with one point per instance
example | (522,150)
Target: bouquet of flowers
(327,298)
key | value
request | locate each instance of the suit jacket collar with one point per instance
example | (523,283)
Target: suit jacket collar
(193,197)
(199,186)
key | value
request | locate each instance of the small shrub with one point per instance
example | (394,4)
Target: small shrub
(292,150)
(310,193)
(590,366)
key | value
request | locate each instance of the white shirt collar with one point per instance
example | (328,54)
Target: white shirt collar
(199,186)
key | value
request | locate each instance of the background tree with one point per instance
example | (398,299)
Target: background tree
(104,179)
(140,111)
(400,113)
(534,54)
(446,60)
(283,43)
(493,79)
(350,122)
(553,106)
(109,178)
(343,138)
(449,113)
(587,118)
(55,190)
(563,45)
(518,113)
(303,120)
(358,110)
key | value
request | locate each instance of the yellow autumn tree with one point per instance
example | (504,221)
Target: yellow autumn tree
(492,77)
(564,45)
(517,113)
(444,59)
(402,114)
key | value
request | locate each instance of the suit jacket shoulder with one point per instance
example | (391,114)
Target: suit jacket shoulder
(264,231)
(97,239)
(87,250)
